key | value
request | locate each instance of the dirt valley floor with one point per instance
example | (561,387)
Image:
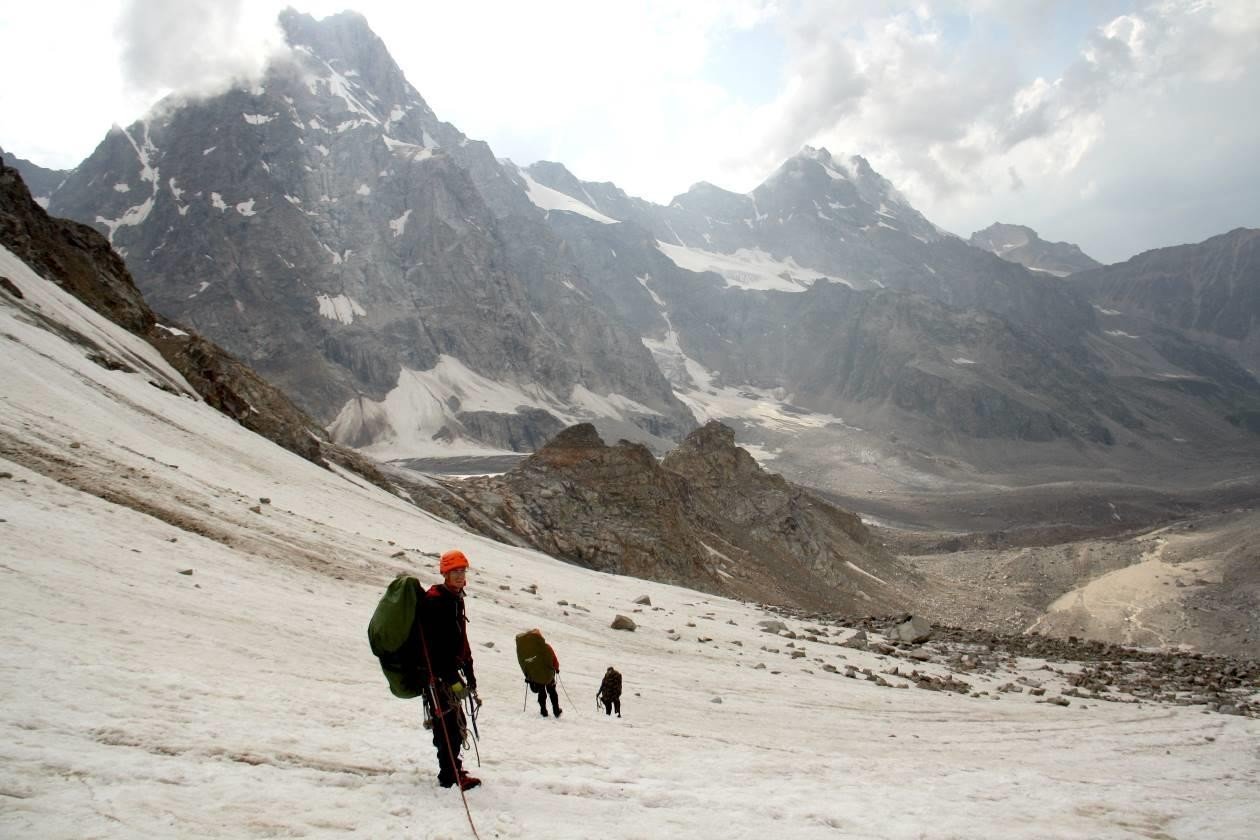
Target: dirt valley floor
(1194,583)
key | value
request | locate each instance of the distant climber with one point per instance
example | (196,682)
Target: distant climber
(540,665)
(451,661)
(610,691)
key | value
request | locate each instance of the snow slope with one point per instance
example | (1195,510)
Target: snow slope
(240,700)
(410,418)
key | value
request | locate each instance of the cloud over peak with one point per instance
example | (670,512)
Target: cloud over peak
(197,47)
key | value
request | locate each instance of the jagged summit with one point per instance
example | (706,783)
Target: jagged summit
(580,436)
(346,44)
(710,455)
(573,445)
(710,200)
(712,435)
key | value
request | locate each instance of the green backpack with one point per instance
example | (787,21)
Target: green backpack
(534,658)
(397,637)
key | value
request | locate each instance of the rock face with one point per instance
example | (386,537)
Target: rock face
(1020,244)
(707,516)
(1210,291)
(370,259)
(81,261)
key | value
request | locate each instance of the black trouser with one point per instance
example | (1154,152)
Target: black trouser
(614,703)
(545,690)
(448,737)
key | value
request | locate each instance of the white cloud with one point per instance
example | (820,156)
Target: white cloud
(195,47)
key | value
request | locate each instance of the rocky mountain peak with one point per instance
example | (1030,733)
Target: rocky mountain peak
(343,36)
(364,76)
(1001,236)
(1021,244)
(709,456)
(711,200)
(555,175)
(574,445)
(820,154)
(711,436)
(844,196)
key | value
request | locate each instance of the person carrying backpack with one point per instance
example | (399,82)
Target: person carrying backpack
(610,691)
(450,659)
(540,665)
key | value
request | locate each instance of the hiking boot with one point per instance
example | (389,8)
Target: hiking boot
(542,712)
(559,712)
(466,782)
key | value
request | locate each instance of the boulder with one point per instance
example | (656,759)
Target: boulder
(914,630)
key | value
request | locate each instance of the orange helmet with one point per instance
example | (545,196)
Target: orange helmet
(452,560)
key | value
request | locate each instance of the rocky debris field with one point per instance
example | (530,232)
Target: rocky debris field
(975,663)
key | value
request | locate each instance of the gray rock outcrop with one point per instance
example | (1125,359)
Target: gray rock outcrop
(707,516)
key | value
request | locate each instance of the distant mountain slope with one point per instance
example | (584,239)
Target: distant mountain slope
(860,327)
(365,256)
(1210,290)
(1020,244)
(40,181)
(823,216)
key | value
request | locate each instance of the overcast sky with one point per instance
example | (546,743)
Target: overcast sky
(1120,126)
